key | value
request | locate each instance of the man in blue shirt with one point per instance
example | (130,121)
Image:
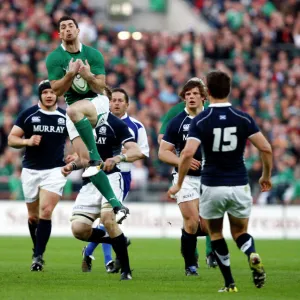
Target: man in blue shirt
(41,130)
(173,142)
(223,132)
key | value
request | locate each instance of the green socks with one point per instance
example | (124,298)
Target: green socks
(101,182)
(85,131)
(208,245)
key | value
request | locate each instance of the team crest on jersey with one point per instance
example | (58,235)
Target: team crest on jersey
(102,130)
(186,127)
(61,121)
(222,117)
(36,119)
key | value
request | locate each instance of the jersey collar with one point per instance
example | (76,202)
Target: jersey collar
(47,111)
(80,47)
(124,117)
(191,117)
(225,104)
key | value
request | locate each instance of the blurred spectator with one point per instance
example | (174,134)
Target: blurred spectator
(15,185)
(257,42)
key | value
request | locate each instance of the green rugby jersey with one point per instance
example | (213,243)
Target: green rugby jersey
(173,112)
(57,64)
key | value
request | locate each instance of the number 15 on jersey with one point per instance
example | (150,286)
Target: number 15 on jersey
(229,137)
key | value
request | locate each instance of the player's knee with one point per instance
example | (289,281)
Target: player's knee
(46,212)
(72,113)
(108,219)
(33,219)
(109,223)
(80,231)
(191,224)
(236,233)
(215,235)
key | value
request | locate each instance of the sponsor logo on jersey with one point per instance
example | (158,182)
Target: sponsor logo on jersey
(222,117)
(102,130)
(101,119)
(46,128)
(186,127)
(101,140)
(61,121)
(36,119)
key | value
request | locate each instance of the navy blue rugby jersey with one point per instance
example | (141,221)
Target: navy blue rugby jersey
(177,133)
(110,138)
(51,125)
(223,132)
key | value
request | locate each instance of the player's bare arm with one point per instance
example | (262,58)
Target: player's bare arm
(133,153)
(72,166)
(186,157)
(261,143)
(159,138)
(167,155)
(61,86)
(16,140)
(96,82)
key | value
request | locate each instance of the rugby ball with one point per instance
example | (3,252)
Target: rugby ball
(79,85)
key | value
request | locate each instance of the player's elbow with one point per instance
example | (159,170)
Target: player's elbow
(266,148)
(187,153)
(57,91)
(159,138)
(161,155)
(10,142)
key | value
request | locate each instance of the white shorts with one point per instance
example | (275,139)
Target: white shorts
(216,200)
(90,200)
(50,180)
(190,189)
(101,104)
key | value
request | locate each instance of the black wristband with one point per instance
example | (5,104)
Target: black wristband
(74,165)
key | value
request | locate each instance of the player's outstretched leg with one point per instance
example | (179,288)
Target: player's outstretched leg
(210,257)
(223,258)
(42,236)
(86,265)
(245,243)
(32,225)
(84,232)
(188,247)
(107,249)
(85,130)
(120,244)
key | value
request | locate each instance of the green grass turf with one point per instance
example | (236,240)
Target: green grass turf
(158,272)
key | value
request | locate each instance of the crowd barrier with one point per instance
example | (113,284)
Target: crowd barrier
(156,220)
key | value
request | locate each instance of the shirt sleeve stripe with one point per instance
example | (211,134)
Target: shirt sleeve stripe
(193,138)
(129,139)
(167,142)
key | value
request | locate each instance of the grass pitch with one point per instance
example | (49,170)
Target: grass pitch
(158,272)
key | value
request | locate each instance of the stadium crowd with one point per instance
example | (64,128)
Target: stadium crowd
(257,42)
